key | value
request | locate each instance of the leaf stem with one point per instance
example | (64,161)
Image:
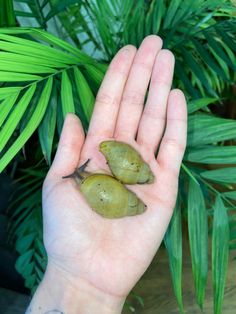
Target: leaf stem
(185,168)
(215,191)
(193,177)
(189,35)
(51,75)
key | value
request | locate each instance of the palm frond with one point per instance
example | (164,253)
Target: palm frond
(34,69)
(25,228)
(173,244)
(7,15)
(198,239)
(220,252)
(32,10)
(50,15)
(197,40)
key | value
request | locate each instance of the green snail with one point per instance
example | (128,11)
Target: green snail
(107,196)
(125,163)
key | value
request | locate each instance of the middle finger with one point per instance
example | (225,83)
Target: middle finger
(136,86)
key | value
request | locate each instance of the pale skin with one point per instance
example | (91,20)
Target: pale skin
(94,262)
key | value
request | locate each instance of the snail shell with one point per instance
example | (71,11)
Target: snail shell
(125,163)
(109,198)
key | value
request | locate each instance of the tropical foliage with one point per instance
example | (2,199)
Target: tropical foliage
(53,63)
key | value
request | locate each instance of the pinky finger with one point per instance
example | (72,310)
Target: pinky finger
(173,143)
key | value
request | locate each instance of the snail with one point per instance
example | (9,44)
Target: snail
(125,163)
(107,196)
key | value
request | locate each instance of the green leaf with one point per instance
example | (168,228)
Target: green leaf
(223,175)
(209,60)
(198,239)
(220,251)
(21,212)
(12,66)
(47,127)
(181,74)
(26,192)
(197,104)
(15,30)
(170,14)
(25,14)
(62,44)
(60,118)
(217,47)
(148,20)
(186,8)
(41,248)
(158,14)
(30,127)
(66,95)
(140,27)
(8,91)
(231,195)
(206,129)
(23,261)
(39,273)
(17,77)
(197,70)
(23,228)
(31,60)
(173,243)
(15,117)
(40,259)
(28,270)
(95,74)
(212,155)
(30,281)
(228,40)
(32,48)
(189,173)
(7,16)
(6,106)
(58,6)
(25,209)
(24,243)
(86,96)
(25,50)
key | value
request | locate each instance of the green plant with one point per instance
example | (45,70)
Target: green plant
(25,226)
(202,36)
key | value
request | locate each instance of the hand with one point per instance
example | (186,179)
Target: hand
(108,256)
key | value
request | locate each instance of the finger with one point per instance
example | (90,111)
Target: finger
(133,97)
(153,119)
(109,96)
(173,143)
(69,147)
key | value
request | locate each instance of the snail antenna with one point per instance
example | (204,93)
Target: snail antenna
(82,168)
(77,173)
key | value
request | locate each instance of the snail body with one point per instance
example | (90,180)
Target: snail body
(109,198)
(125,163)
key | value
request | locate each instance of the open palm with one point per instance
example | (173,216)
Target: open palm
(112,254)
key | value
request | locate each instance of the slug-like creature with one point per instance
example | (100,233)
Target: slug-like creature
(125,163)
(107,196)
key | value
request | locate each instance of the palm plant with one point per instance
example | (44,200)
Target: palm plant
(56,67)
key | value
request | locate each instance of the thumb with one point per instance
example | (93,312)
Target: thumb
(69,147)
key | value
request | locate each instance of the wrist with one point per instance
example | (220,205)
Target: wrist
(60,292)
